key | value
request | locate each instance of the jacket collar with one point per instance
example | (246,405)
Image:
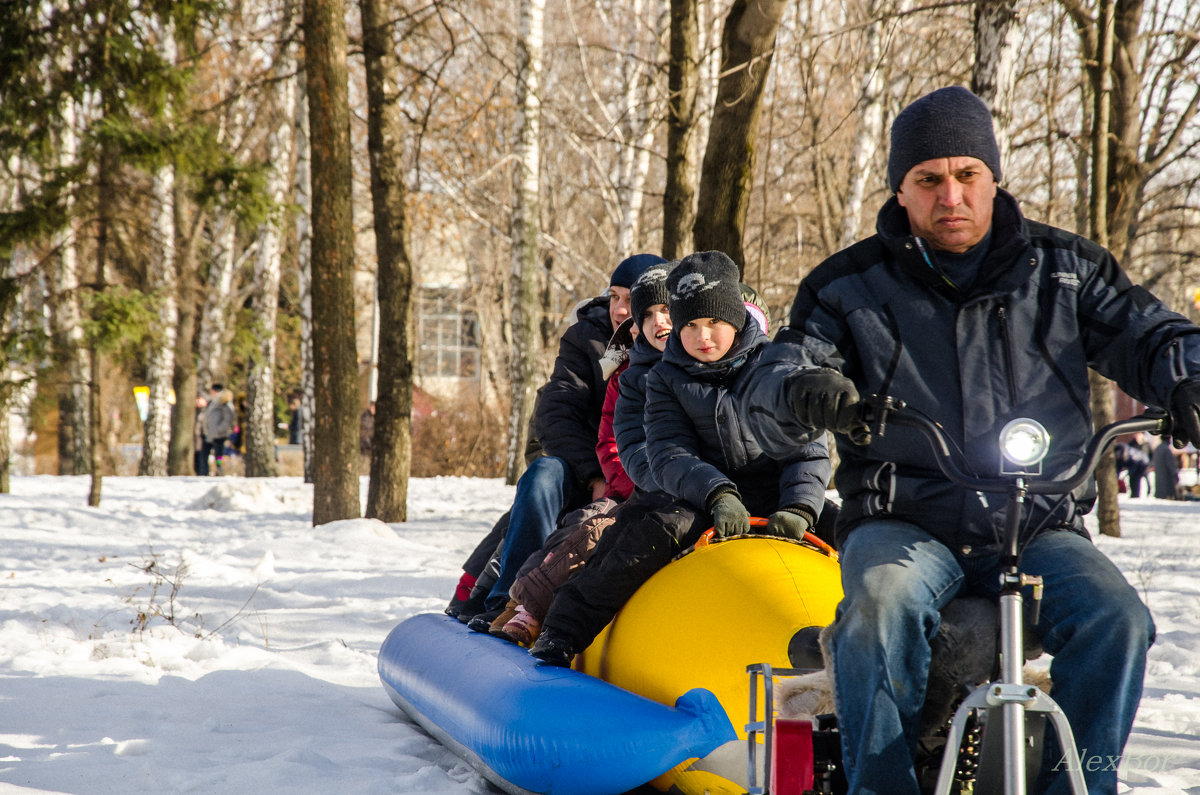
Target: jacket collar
(749,339)
(643,352)
(1004,267)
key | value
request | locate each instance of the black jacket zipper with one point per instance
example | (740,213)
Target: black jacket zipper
(1006,344)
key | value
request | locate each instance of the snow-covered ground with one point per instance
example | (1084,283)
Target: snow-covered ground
(264,679)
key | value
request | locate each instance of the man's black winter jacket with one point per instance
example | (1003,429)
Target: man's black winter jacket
(1045,305)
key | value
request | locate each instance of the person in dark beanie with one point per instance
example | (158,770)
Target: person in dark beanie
(948,122)
(564,473)
(698,482)
(973,315)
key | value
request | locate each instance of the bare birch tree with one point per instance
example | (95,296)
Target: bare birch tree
(524,233)
(870,110)
(66,317)
(640,113)
(302,189)
(163,282)
(993,77)
(259,426)
(218,297)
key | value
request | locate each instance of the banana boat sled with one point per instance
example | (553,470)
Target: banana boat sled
(661,696)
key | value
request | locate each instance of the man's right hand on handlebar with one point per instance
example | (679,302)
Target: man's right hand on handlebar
(824,398)
(1185,413)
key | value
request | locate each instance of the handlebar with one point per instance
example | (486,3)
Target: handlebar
(709,536)
(881,410)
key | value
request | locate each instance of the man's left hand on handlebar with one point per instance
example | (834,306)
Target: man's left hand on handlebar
(824,398)
(1185,413)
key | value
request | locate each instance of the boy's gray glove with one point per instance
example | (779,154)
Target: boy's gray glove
(789,523)
(1185,413)
(824,398)
(730,517)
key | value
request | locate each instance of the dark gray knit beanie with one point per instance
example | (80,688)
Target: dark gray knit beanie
(631,267)
(949,122)
(706,284)
(649,289)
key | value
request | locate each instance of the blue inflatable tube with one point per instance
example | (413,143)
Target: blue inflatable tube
(534,728)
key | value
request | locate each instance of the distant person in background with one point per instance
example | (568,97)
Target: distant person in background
(237,437)
(366,433)
(218,424)
(206,448)
(1132,459)
(1166,471)
(199,449)
(294,405)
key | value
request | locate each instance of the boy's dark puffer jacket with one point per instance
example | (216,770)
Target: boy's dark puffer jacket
(697,443)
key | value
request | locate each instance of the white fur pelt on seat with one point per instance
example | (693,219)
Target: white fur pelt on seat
(963,657)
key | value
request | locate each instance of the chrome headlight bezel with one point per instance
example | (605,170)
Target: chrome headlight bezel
(1024,444)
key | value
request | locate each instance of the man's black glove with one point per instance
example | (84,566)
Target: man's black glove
(825,398)
(789,523)
(1185,413)
(730,517)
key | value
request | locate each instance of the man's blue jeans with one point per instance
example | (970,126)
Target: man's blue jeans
(542,493)
(896,578)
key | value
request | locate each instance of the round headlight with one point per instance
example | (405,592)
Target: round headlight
(1024,442)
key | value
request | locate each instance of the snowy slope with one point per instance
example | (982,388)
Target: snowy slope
(266,679)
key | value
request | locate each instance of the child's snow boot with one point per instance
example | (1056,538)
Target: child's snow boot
(522,628)
(552,649)
(462,593)
(499,621)
(483,621)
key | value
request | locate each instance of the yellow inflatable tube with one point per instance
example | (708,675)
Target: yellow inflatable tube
(700,621)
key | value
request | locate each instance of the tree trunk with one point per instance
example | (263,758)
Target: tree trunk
(870,133)
(67,331)
(259,427)
(335,360)
(9,291)
(637,140)
(727,174)
(683,82)
(1128,170)
(391,447)
(106,168)
(525,234)
(993,78)
(181,456)
(218,295)
(1107,512)
(160,366)
(302,189)
(259,456)
(162,278)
